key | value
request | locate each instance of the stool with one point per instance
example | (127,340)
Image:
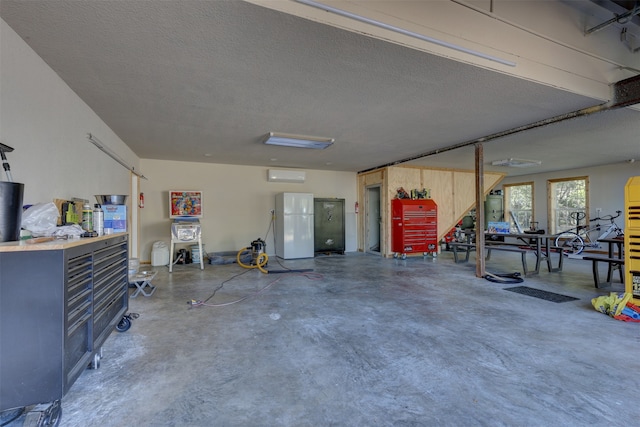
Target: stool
(142,281)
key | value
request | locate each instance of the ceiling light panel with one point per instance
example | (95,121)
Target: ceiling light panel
(516,163)
(298,141)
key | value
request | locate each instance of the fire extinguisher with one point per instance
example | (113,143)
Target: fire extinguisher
(357,207)
(141,200)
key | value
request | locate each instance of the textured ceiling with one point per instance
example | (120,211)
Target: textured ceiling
(184,79)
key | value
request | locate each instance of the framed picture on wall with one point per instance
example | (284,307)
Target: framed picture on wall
(185,204)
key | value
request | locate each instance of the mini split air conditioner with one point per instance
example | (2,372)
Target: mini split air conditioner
(281,175)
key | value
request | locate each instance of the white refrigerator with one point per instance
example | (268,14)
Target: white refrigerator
(294,225)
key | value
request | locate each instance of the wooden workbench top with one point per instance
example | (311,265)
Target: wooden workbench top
(22,245)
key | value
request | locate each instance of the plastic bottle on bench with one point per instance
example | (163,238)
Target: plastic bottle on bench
(87,217)
(98,219)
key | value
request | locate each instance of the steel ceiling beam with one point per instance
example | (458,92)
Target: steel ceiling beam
(626,92)
(626,16)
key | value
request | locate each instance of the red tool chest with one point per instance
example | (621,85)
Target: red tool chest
(414,226)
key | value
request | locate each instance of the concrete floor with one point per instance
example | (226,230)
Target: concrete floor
(364,341)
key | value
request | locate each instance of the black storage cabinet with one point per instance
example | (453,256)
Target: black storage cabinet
(57,308)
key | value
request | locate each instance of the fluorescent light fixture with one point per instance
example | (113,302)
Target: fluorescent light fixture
(406,32)
(516,163)
(298,141)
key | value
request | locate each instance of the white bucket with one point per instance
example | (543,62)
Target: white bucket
(134,265)
(159,254)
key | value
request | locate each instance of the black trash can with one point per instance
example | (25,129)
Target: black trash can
(10,210)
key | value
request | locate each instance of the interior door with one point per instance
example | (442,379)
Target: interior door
(373,234)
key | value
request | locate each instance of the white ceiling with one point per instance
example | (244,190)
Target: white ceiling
(204,81)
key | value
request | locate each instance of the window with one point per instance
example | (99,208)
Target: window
(567,196)
(518,200)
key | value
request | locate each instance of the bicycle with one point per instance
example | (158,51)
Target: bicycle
(574,242)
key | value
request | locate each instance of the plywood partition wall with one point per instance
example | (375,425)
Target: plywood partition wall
(452,190)
(441,183)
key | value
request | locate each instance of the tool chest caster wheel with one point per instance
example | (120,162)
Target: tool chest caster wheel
(44,415)
(123,325)
(95,363)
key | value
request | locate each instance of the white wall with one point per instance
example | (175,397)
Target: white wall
(606,188)
(47,123)
(237,201)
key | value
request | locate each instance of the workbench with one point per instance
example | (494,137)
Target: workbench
(59,302)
